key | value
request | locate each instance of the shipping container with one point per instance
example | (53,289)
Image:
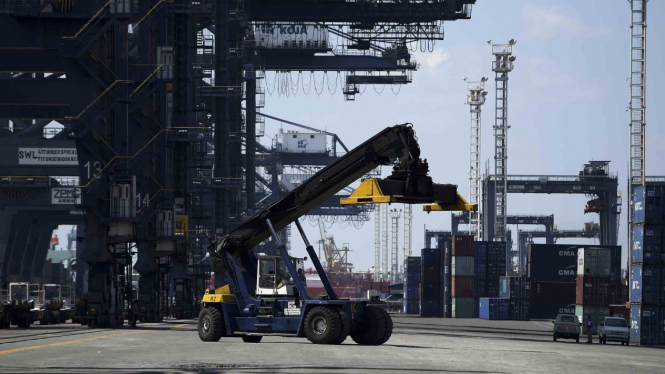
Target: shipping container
(548,310)
(463,266)
(552,253)
(648,245)
(594,261)
(463,307)
(554,271)
(431,257)
(411,306)
(462,245)
(431,274)
(515,287)
(496,251)
(647,284)
(481,287)
(520,309)
(647,324)
(462,287)
(648,205)
(620,310)
(430,291)
(597,314)
(494,308)
(301,142)
(553,292)
(480,251)
(481,269)
(431,308)
(598,291)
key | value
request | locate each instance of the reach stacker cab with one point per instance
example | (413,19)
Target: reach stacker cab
(52,304)
(22,299)
(267,295)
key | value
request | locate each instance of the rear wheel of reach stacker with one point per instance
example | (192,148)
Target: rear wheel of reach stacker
(211,324)
(376,330)
(346,327)
(323,325)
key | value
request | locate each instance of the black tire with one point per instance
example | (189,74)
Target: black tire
(252,339)
(323,325)
(388,326)
(211,324)
(373,330)
(554,337)
(346,327)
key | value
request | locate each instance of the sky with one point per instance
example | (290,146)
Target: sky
(567,100)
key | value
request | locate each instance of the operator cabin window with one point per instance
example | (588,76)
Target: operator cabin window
(267,274)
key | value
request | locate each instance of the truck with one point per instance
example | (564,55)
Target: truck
(614,329)
(566,326)
(266,294)
(22,309)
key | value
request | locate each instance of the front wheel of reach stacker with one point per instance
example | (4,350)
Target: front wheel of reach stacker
(323,325)
(377,328)
(211,324)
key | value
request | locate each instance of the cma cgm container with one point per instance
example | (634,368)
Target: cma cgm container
(647,324)
(462,245)
(597,314)
(649,244)
(463,307)
(648,205)
(462,266)
(647,284)
(550,309)
(494,308)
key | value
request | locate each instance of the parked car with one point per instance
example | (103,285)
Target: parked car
(567,326)
(614,329)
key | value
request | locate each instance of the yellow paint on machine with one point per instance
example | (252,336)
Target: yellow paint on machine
(220,295)
(369,192)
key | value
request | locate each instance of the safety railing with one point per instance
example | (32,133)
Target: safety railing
(557,178)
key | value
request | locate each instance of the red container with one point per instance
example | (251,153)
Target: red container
(463,287)
(553,292)
(598,291)
(619,311)
(462,245)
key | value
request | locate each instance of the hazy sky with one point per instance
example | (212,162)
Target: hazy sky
(567,100)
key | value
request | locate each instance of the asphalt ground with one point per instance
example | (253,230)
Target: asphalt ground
(418,345)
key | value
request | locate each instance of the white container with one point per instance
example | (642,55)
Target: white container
(302,142)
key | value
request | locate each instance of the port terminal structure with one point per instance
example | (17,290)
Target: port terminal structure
(149,95)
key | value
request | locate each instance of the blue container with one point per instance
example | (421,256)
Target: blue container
(431,308)
(481,269)
(480,251)
(431,291)
(648,245)
(412,307)
(493,308)
(647,284)
(520,309)
(431,257)
(515,287)
(648,205)
(647,324)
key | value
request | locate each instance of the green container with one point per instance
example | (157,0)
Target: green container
(597,313)
(464,307)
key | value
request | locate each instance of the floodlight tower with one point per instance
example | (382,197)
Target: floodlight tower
(395,215)
(502,65)
(384,235)
(636,108)
(408,220)
(475,98)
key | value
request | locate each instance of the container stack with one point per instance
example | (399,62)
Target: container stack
(463,302)
(447,279)
(517,290)
(494,308)
(596,288)
(552,270)
(496,267)
(412,279)
(480,257)
(431,295)
(647,273)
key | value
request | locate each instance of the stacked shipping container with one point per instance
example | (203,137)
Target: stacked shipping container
(447,278)
(517,291)
(596,289)
(647,286)
(431,300)
(463,288)
(412,279)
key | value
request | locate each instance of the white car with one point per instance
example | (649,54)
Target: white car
(614,329)
(567,326)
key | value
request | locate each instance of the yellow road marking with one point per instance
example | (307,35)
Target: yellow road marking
(80,340)
(69,342)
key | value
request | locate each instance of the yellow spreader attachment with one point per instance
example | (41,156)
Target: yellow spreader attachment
(220,295)
(461,205)
(369,192)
